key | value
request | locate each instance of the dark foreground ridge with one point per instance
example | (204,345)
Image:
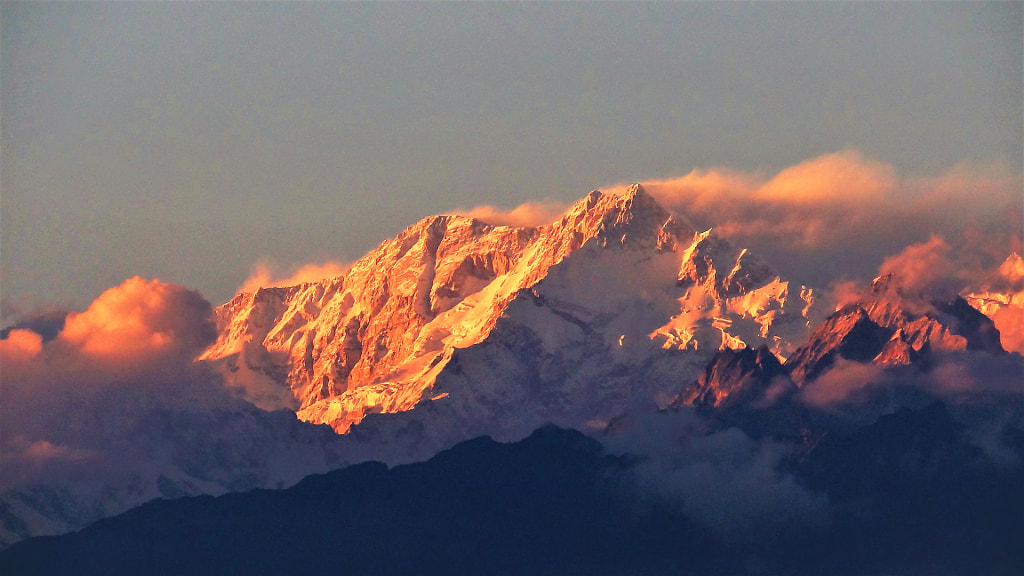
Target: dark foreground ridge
(546,505)
(907,494)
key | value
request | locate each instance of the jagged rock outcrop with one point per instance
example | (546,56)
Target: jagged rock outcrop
(734,377)
(617,282)
(848,333)
(889,326)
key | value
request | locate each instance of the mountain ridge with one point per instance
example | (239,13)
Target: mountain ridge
(890,326)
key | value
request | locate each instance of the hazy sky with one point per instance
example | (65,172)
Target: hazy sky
(189,141)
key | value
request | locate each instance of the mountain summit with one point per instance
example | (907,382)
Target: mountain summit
(891,326)
(615,291)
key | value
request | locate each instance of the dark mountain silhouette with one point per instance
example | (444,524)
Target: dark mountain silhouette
(908,495)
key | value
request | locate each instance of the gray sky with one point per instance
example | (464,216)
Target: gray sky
(188,141)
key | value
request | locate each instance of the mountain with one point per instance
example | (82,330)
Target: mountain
(456,329)
(483,329)
(890,326)
(907,494)
(612,304)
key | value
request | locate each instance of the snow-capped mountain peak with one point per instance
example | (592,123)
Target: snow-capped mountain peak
(632,280)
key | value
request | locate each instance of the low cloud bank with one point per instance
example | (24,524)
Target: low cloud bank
(134,344)
(839,214)
(724,480)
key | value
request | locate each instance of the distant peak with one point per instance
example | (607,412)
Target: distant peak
(886,283)
(588,202)
(1012,268)
(634,199)
(883,280)
(635,189)
(636,196)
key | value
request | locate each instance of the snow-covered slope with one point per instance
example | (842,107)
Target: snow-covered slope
(1001,298)
(611,304)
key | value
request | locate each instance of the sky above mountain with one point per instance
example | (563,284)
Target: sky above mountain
(211,144)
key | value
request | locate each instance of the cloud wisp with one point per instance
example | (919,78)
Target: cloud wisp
(528,214)
(264,275)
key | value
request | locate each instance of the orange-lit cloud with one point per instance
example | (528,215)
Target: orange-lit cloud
(842,178)
(139,320)
(845,292)
(20,346)
(833,217)
(264,276)
(924,266)
(530,214)
(87,391)
(144,331)
(840,214)
(112,398)
(811,205)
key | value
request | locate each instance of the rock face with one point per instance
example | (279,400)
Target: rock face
(615,284)
(889,326)
(1001,298)
(736,377)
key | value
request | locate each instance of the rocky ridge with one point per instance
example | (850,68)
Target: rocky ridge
(890,326)
(887,326)
(735,377)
